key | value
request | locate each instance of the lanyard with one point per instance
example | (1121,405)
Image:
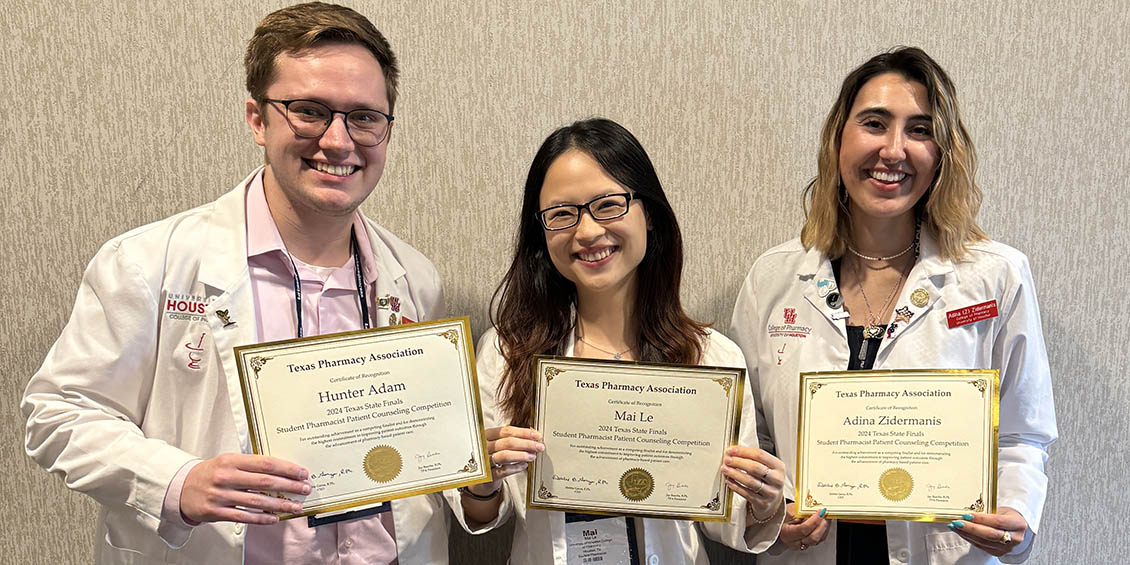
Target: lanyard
(356,250)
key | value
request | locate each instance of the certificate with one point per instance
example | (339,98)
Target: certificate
(916,445)
(627,438)
(373,414)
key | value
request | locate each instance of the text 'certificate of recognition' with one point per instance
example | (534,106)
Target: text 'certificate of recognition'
(373,414)
(916,445)
(632,438)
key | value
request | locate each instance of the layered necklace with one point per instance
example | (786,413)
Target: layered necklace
(873,329)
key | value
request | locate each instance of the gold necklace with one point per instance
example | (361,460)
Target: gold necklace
(873,329)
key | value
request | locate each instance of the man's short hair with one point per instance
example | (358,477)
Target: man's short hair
(303,26)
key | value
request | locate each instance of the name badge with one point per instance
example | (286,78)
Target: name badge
(972,314)
(590,539)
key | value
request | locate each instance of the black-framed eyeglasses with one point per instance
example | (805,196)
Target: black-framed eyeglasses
(310,119)
(565,216)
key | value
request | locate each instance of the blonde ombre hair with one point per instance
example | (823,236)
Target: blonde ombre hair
(949,207)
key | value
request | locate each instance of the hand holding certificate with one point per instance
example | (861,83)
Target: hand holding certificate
(634,438)
(374,414)
(904,445)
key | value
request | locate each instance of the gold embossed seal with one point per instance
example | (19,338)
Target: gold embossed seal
(636,484)
(383,463)
(895,484)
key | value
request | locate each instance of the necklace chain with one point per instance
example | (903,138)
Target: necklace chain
(889,257)
(614,355)
(873,329)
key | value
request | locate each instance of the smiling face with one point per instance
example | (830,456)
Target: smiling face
(888,156)
(598,257)
(329,175)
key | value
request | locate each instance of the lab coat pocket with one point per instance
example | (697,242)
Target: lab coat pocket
(950,549)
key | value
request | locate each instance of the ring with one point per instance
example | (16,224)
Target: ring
(765,474)
(758,491)
(497,465)
(1006,538)
(803,547)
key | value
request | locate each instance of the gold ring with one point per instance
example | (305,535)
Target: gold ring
(1006,538)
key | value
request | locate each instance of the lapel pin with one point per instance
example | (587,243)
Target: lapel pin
(834,300)
(919,297)
(223,314)
(824,286)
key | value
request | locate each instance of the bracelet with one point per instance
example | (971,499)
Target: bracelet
(752,516)
(467,491)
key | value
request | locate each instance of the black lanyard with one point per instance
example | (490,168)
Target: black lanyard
(357,273)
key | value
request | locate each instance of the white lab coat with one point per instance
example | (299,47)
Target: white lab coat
(788,277)
(116,411)
(539,535)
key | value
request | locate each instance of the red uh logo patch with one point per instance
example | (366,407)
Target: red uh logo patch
(790,315)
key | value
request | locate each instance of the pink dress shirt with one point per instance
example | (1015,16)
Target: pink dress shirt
(329,304)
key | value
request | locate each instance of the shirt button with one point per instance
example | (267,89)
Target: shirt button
(238,529)
(903,555)
(653,560)
(348,543)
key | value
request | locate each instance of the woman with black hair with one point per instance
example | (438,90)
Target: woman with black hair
(596,273)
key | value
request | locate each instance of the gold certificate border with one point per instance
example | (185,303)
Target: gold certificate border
(461,324)
(990,498)
(543,364)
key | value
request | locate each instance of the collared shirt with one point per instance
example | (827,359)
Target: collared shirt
(329,304)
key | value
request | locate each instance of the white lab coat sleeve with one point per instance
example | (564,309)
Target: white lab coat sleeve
(741,533)
(489,366)
(86,404)
(1027,413)
(745,330)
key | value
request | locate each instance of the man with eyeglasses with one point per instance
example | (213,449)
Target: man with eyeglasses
(138,403)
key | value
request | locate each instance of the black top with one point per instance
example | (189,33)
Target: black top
(860,543)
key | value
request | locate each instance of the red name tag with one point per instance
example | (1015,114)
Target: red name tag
(972,314)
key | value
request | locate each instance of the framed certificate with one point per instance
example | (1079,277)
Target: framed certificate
(916,445)
(628,438)
(374,414)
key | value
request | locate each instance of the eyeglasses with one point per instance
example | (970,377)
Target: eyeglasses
(565,216)
(311,119)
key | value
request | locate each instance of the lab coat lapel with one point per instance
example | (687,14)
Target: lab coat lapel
(922,292)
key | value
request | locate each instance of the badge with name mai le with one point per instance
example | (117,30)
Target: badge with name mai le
(374,414)
(629,438)
(915,445)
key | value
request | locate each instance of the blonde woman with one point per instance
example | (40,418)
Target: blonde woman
(889,246)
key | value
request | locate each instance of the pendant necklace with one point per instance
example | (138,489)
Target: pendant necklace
(873,329)
(616,356)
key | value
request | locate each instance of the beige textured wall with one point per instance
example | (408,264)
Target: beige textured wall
(119,113)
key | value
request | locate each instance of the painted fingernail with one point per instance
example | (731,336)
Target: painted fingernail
(967,517)
(957,524)
(950,526)
(823,511)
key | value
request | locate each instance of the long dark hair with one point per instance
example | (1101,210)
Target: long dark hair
(535,303)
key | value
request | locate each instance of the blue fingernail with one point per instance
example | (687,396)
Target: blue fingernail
(957,524)
(823,511)
(967,517)
(951,526)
